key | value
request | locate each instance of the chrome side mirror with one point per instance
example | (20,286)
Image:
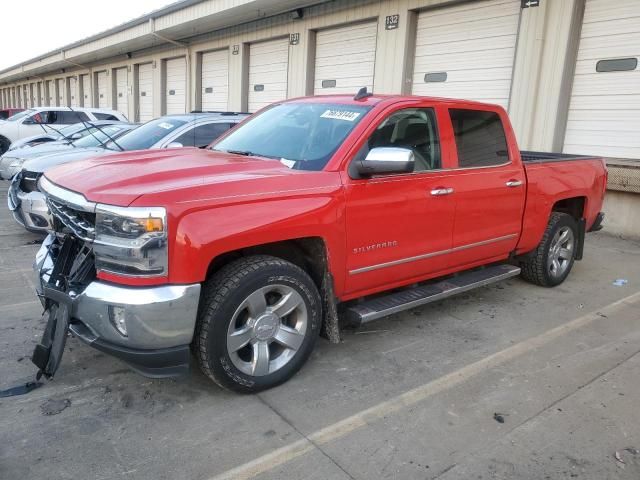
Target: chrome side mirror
(174,145)
(386,160)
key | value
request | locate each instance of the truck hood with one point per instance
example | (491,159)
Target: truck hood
(48,160)
(121,178)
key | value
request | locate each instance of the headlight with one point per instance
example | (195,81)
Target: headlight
(16,163)
(131,240)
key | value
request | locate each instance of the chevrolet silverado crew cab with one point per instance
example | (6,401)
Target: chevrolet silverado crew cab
(312,211)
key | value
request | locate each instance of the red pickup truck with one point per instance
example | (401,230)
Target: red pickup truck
(245,252)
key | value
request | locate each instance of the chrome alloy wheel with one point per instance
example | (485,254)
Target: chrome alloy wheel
(267,330)
(561,252)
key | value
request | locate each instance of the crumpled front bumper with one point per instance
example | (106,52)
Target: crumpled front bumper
(160,320)
(29,208)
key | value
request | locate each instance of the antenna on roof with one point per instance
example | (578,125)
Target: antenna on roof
(362,93)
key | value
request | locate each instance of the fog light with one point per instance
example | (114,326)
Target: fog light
(38,221)
(117,318)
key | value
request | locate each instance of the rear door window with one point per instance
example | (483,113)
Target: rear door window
(480,138)
(69,117)
(104,116)
(202,135)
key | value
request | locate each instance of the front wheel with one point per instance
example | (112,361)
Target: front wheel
(258,323)
(550,264)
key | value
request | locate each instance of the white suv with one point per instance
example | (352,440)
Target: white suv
(37,120)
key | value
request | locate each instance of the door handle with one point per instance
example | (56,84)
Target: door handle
(513,183)
(438,192)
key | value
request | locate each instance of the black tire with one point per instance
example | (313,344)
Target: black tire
(4,145)
(535,267)
(223,296)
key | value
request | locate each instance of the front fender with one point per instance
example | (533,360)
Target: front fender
(206,233)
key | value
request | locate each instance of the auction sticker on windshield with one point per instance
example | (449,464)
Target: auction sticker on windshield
(341,115)
(165,125)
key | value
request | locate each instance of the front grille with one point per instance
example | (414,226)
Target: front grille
(69,220)
(29,182)
(73,265)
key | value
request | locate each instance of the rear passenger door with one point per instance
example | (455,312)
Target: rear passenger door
(489,188)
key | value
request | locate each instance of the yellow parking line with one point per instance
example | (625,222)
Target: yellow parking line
(366,417)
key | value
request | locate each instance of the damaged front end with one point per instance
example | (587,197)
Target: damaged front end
(65,267)
(148,327)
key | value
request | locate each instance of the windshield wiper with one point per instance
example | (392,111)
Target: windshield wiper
(244,153)
(101,143)
(247,153)
(52,128)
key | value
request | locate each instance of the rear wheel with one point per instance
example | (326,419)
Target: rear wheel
(258,323)
(550,264)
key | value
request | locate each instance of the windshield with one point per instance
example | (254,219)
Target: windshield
(303,136)
(20,115)
(69,130)
(147,135)
(98,137)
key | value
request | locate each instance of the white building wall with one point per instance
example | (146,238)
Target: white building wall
(604,113)
(543,44)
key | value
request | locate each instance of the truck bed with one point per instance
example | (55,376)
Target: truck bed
(544,157)
(552,177)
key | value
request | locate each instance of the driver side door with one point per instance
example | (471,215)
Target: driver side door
(399,226)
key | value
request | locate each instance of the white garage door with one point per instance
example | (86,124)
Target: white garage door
(345,59)
(51,93)
(268,66)
(62,92)
(145,92)
(604,112)
(215,80)
(74,99)
(122,104)
(467,51)
(85,82)
(176,83)
(101,80)
(42,96)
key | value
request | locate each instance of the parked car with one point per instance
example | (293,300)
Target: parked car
(66,134)
(174,131)
(94,137)
(12,160)
(8,112)
(244,252)
(26,202)
(34,121)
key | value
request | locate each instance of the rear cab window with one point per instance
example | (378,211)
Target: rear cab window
(479,137)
